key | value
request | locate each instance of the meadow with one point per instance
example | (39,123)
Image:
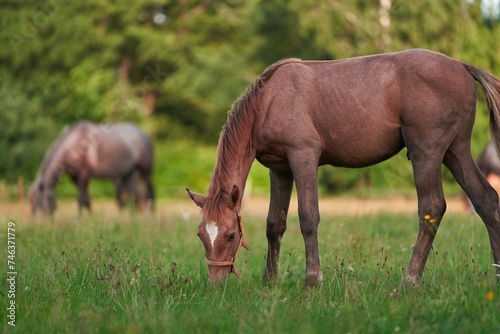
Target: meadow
(126,272)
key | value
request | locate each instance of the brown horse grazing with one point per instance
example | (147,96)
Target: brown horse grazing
(87,150)
(351,113)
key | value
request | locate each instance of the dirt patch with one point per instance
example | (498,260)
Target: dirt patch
(340,206)
(255,206)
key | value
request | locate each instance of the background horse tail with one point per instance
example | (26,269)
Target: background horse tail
(491,87)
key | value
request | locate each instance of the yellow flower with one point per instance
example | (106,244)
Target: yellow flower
(429,219)
(490,295)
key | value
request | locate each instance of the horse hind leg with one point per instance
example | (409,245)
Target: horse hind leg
(281,191)
(483,197)
(431,208)
(82,182)
(304,165)
(120,187)
(150,192)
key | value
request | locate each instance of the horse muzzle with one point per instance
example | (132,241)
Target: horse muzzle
(218,271)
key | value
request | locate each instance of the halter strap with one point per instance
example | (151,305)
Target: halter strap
(241,243)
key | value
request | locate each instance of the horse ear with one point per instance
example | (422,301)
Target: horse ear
(198,199)
(235,196)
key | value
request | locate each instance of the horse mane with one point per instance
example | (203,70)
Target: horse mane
(238,126)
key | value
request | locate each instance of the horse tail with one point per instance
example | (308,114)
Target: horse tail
(491,88)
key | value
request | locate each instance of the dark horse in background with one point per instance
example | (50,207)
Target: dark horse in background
(489,164)
(86,150)
(351,113)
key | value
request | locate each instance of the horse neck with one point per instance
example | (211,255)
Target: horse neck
(234,160)
(234,174)
(52,168)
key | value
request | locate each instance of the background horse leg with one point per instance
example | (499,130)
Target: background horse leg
(281,191)
(83,199)
(305,172)
(120,186)
(431,208)
(150,194)
(133,188)
(482,195)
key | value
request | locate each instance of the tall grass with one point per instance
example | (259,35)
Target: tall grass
(128,273)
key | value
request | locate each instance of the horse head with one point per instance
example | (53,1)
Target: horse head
(221,232)
(42,199)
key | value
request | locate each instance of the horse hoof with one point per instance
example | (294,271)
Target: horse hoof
(408,282)
(313,280)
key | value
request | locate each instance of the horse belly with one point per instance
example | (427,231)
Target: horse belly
(111,161)
(363,150)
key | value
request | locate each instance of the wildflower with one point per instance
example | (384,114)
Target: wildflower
(429,219)
(490,295)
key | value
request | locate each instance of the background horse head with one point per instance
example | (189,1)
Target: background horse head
(86,150)
(42,200)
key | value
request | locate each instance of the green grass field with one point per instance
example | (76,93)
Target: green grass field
(130,273)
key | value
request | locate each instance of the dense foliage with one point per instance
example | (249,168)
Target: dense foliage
(176,66)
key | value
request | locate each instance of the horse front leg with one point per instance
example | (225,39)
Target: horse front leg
(281,191)
(305,172)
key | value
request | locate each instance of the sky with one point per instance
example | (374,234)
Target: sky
(491,9)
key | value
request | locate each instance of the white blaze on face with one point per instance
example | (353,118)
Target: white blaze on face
(212,230)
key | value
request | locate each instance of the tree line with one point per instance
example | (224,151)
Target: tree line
(176,66)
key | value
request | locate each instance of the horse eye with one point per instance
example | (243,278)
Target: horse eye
(231,236)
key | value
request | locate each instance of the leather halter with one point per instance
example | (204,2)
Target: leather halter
(241,243)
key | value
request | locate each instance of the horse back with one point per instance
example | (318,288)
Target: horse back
(115,149)
(353,112)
